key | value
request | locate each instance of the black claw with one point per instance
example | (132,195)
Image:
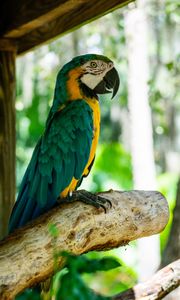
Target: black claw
(104,207)
(104,200)
(87,198)
(110,204)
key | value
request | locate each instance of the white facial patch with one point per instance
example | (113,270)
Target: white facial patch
(94,76)
(92,80)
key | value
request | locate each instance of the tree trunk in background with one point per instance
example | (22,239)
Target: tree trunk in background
(7,134)
(172,250)
(75,43)
(141,125)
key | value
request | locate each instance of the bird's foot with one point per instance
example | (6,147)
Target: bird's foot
(88,198)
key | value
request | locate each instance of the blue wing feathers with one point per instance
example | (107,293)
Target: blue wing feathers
(60,154)
(17,211)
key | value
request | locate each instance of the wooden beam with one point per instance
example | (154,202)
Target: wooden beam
(26,256)
(20,17)
(32,24)
(8,45)
(7,133)
(78,16)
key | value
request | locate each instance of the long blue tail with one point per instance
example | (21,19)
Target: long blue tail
(33,188)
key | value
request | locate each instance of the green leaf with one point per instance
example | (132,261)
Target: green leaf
(169,65)
(73,287)
(28,294)
(53,230)
(94,265)
(83,264)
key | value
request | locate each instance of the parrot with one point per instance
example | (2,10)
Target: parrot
(65,152)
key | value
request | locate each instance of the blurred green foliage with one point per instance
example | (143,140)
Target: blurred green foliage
(112,167)
(113,281)
(72,280)
(167,184)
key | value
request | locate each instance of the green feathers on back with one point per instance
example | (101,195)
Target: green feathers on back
(61,154)
(65,147)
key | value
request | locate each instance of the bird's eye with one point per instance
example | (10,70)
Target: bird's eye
(93,64)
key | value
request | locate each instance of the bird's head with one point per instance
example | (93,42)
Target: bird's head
(90,75)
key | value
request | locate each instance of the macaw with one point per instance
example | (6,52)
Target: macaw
(65,152)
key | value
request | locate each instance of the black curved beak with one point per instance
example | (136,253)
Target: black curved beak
(110,83)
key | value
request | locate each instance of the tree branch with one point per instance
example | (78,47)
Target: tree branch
(26,256)
(156,288)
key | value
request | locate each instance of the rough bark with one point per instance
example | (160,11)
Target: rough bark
(161,284)
(7,132)
(26,257)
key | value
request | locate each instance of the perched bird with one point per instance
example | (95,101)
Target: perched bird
(65,152)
